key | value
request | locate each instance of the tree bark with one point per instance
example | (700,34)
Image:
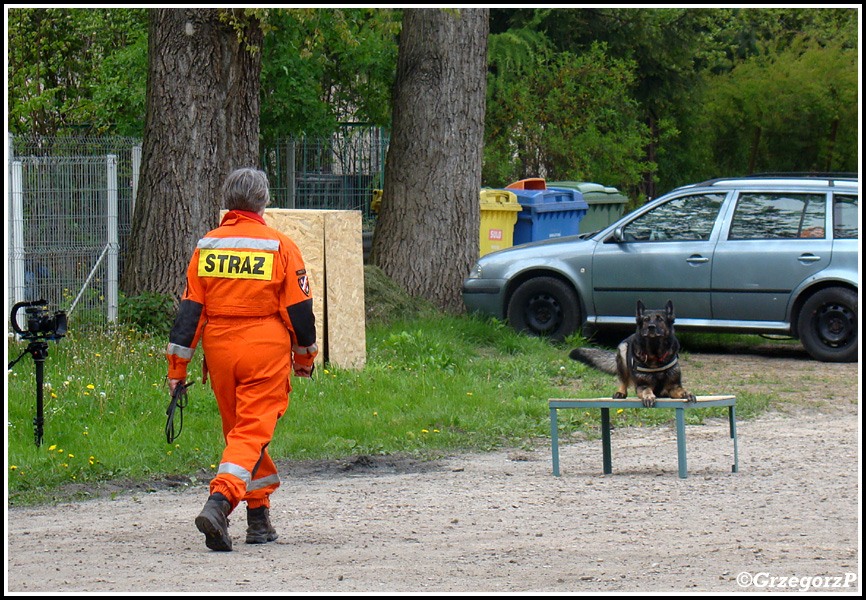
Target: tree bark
(427,233)
(202,121)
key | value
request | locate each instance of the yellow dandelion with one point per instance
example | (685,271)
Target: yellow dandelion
(619,411)
(71,456)
(52,447)
(97,354)
(53,395)
(424,431)
(13,468)
(90,386)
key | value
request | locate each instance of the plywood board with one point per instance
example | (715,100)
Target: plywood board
(344,274)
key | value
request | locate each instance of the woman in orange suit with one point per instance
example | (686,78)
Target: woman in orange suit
(248,299)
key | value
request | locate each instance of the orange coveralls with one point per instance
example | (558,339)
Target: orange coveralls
(248,299)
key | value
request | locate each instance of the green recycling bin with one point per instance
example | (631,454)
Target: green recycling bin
(606,204)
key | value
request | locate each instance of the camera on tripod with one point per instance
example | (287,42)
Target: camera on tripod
(40,324)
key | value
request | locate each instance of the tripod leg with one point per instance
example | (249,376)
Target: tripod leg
(39,419)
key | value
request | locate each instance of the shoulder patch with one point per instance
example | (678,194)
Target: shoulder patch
(304,284)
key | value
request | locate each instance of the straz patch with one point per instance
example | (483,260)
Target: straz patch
(236,264)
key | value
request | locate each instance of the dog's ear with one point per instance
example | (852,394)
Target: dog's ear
(669,310)
(640,309)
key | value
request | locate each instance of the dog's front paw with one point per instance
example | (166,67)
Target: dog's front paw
(648,399)
(618,396)
(690,397)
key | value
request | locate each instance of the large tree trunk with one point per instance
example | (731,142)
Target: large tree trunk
(426,236)
(202,122)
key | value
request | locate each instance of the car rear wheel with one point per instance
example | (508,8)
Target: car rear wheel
(828,325)
(544,307)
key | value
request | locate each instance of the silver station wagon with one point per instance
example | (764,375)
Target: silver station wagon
(770,254)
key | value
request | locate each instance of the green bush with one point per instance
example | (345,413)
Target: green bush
(148,312)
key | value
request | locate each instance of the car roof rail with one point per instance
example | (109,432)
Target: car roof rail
(830,176)
(808,174)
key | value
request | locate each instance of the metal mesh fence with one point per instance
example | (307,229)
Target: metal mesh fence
(70,207)
(339,172)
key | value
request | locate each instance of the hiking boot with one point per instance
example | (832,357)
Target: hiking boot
(259,528)
(213,522)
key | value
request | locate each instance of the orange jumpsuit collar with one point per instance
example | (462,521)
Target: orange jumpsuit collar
(236,215)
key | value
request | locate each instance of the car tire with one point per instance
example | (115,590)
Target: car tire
(827,325)
(544,307)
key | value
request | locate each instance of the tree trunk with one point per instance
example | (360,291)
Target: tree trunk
(202,122)
(427,233)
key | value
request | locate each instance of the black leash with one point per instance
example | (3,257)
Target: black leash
(178,401)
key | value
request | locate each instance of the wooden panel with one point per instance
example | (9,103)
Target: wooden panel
(344,274)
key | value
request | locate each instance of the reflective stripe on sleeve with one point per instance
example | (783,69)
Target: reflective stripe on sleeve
(305,349)
(212,243)
(180,351)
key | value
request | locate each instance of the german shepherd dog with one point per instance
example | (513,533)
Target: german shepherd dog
(646,360)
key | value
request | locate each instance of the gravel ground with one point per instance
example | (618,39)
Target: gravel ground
(500,522)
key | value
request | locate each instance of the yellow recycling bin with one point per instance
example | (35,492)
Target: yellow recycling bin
(499,210)
(376,202)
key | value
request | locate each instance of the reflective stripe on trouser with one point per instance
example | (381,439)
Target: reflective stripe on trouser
(249,362)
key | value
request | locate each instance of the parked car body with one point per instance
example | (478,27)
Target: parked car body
(759,254)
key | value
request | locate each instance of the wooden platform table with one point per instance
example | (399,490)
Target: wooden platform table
(605,404)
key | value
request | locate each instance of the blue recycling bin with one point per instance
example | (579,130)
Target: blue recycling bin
(548,213)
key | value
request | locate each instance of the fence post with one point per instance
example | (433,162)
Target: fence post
(18,236)
(112,239)
(290,176)
(136,166)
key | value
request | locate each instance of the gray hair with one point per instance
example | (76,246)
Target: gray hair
(246,189)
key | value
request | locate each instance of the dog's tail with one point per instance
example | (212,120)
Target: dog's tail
(594,357)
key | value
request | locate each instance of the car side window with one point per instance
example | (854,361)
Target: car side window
(776,216)
(845,217)
(687,218)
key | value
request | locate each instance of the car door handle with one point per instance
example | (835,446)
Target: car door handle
(808,258)
(697,259)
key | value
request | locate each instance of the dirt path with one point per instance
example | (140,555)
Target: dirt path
(500,522)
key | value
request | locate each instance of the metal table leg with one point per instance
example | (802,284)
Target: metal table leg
(732,419)
(554,441)
(681,443)
(605,440)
